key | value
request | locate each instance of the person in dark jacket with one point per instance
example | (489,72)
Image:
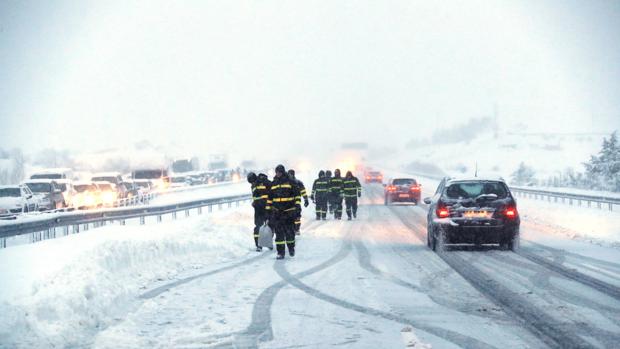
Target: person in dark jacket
(260,194)
(303,194)
(328,178)
(336,188)
(352,190)
(284,198)
(319,195)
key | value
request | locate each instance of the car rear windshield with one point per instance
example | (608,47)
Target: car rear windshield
(10,192)
(105,179)
(84,187)
(47,176)
(404,181)
(374,173)
(105,187)
(149,174)
(471,190)
(40,187)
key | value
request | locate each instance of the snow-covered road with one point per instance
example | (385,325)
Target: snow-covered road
(372,283)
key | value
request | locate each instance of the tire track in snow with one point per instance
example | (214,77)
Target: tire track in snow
(260,329)
(554,333)
(451,336)
(167,287)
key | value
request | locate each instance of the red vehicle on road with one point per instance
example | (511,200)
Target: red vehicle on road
(403,190)
(374,177)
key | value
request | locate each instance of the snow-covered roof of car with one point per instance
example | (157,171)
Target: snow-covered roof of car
(54,170)
(472,178)
(106,174)
(104,183)
(42,180)
(10,186)
(83,183)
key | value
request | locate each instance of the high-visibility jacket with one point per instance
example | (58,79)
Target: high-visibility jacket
(320,187)
(336,186)
(302,188)
(352,187)
(283,195)
(260,192)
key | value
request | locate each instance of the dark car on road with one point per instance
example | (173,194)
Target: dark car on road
(472,211)
(373,177)
(403,190)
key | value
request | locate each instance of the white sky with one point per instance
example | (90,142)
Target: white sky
(279,75)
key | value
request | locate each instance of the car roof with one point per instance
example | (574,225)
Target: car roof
(476,179)
(54,170)
(42,180)
(105,174)
(83,183)
(103,183)
(10,186)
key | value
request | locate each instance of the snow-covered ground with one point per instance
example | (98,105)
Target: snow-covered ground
(195,283)
(61,292)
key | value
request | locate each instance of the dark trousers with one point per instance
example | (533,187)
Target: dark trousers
(321,206)
(283,224)
(337,204)
(260,216)
(297,225)
(351,203)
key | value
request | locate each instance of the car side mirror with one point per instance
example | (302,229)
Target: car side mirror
(427,201)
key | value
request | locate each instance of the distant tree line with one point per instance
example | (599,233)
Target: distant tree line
(601,171)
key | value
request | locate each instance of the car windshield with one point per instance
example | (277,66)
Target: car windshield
(471,190)
(404,181)
(148,174)
(110,179)
(104,186)
(40,187)
(10,192)
(46,176)
(85,187)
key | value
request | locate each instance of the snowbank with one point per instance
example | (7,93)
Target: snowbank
(59,293)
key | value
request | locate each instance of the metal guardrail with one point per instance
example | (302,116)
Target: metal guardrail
(600,201)
(570,198)
(76,221)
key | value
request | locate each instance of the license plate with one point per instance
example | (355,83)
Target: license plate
(477,214)
(403,195)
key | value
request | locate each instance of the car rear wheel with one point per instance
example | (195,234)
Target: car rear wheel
(438,240)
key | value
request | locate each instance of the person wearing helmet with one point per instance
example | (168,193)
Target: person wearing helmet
(328,178)
(336,188)
(319,195)
(260,194)
(284,197)
(303,193)
(352,190)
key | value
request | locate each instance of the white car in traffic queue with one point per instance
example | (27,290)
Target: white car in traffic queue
(16,199)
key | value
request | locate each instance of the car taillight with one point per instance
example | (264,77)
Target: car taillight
(391,188)
(443,212)
(415,188)
(511,212)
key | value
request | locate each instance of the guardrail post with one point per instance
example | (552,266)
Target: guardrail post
(174,215)
(158,218)
(611,206)
(86,226)
(210,208)
(199,209)
(122,222)
(3,242)
(65,230)
(229,204)
(598,204)
(141,220)
(186,213)
(76,229)
(570,201)
(219,206)
(237,203)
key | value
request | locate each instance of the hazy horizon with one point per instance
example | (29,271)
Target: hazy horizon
(282,78)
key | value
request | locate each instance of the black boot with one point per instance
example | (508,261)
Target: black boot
(280,256)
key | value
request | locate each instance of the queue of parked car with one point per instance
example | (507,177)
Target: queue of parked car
(55,189)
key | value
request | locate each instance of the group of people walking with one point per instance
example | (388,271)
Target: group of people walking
(277,202)
(328,193)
